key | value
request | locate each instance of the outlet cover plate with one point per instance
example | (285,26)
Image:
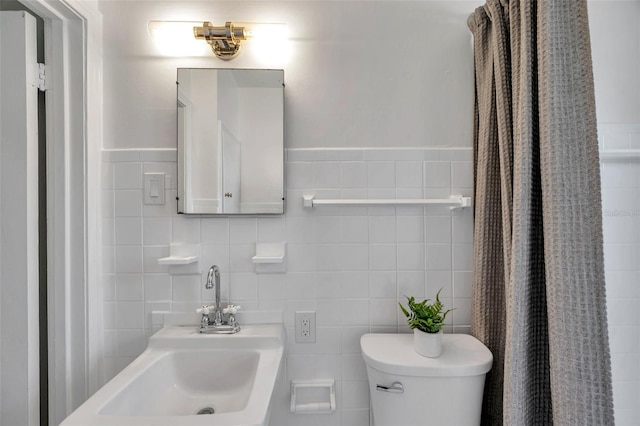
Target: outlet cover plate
(305,326)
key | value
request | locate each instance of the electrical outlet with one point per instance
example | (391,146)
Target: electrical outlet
(305,327)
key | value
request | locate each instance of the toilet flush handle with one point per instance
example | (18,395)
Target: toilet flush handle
(396,387)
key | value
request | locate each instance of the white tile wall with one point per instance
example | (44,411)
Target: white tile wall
(621,226)
(351,264)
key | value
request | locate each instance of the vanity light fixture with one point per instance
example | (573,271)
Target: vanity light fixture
(224,40)
(184,38)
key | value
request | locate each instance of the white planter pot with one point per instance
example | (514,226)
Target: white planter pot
(427,344)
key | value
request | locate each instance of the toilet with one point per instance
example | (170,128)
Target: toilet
(408,389)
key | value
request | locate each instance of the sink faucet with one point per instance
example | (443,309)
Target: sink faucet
(213,280)
(217,325)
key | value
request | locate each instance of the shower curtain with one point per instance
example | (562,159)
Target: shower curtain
(538,285)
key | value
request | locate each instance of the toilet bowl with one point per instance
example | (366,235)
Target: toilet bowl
(409,389)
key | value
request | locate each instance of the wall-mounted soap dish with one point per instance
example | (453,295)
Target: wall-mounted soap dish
(180,256)
(270,257)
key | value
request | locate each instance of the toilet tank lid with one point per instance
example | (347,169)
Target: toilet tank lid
(462,355)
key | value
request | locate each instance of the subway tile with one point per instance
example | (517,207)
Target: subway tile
(439,281)
(461,174)
(327,285)
(326,229)
(128,203)
(128,175)
(411,283)
(354,257)
(110,316)
(185,229)
(215,230)
(382,284)
(355,394)
(120,155)
(353,367)
(130,315)
(157,287)
(355,417)
(128,231)
(355,285)
(462,257)
(438,229)
(185,288)
(461,228)
(271,229)
(151,254)
(382,257)
(351,338)
(355,312)
(326,174)
(108,288)
(129,288)
(410,229)
(169,155)
(461,315)
(409,174)
(156,231)
(272,287)
(300,285)
(353,174)
(243,286)
(300,175)
(215,254)
(300,258)
(128,259)
(240,257)
(381,174)
(456,154)
(327,257)
(329,313)
(382,154)
(131,343)
(437,174)
(383,312)
(382,229)
(243,230)
(299,229)
(462,284)
(411,257)
(355,229)
(438,256)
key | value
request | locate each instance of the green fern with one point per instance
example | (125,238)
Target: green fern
(425,316)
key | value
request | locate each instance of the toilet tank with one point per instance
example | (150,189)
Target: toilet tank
(408,389)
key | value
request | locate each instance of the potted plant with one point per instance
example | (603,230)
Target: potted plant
(426,319)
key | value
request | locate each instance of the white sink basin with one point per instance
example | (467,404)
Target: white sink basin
(182,373)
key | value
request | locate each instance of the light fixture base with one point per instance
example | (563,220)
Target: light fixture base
(225,41)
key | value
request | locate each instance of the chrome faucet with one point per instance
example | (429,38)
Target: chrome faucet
(213,280)
(217,325)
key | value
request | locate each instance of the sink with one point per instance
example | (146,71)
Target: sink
(188,378)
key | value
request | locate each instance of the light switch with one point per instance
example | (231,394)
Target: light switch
(154,188)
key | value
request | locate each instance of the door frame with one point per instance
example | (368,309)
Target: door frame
(73,55)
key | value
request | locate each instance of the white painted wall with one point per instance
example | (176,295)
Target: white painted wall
(360,74)
(366,74)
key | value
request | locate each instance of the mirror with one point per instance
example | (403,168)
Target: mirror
(230,141)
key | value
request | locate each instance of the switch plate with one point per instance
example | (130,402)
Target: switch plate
(305,327)
(154,188)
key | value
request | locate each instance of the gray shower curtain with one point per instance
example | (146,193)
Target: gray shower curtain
(538,285)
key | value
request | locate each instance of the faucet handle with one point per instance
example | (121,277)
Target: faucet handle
(231,309)
(205,310)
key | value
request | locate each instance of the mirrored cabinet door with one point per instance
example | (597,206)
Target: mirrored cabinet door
(230,141)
